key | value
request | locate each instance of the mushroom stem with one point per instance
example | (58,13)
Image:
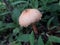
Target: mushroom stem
(35,29)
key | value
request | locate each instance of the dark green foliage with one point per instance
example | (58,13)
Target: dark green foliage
(11,33)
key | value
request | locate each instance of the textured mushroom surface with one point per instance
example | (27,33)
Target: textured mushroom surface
(29,16)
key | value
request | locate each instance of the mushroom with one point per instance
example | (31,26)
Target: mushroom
(29,17)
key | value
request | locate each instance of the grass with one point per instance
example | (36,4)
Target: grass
(49,27)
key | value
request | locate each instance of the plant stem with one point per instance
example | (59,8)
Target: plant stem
(35,29)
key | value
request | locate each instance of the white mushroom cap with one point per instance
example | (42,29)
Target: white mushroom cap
(29,16)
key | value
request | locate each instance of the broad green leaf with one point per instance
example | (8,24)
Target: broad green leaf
(54,39)
(47,6)
(49,42)
(34,3)
(18,2)
(16,30)
(23,38)
(44,2)
(2,14)
(50,1)
(1,24)
(15,15)
(40,41)
(2,7)
(49,23)
(59,2)
(1,3)
(14,43)
(54,7)
(2,29)
(31,38)
(10,25)
(10,38)
(55,21)
(7,25)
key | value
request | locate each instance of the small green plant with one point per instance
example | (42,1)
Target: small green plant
(11,33)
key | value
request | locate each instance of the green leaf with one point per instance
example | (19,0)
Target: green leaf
(15,15)
(59,2)
(31,38)
(49,23)
(2,14)
(1,24)
(16,30)
(54,39)
(44,2)
(56,21)
(49,42)
(40,41)
(18,2)
(10,25)
(34,3)
(50,1)
(6,26)
(14,43)
(10,38)
(23,38)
